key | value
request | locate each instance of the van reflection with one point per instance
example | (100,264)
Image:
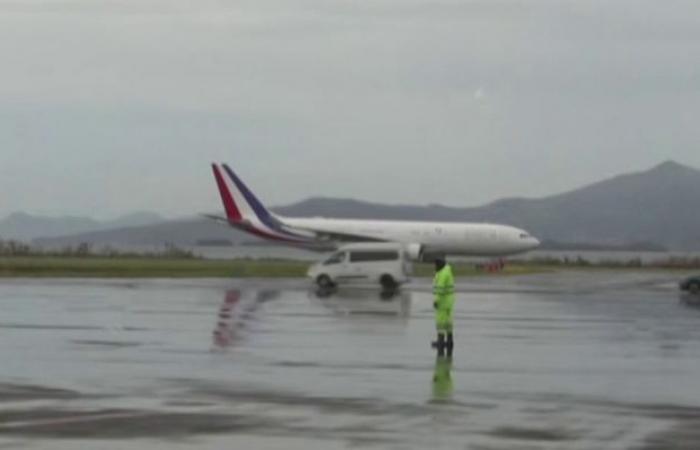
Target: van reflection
(367,302)
(236,311)
(690,299)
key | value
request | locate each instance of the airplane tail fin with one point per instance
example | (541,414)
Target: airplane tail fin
(244,210)
(233,214)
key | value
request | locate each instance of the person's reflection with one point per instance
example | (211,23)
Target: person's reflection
(442,379)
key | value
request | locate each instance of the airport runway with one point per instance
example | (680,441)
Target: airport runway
(576,360)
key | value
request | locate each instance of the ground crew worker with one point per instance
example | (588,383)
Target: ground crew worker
(444,293)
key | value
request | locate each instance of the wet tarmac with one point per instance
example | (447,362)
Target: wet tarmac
(572,360)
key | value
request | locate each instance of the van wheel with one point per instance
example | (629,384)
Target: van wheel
(324,281)
(694,288)
(387,281)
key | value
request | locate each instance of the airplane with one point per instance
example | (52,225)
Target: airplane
(245,212)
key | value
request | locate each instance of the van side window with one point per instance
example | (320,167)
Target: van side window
(374,256)
(335,258)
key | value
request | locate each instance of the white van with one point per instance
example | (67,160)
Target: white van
(386,264)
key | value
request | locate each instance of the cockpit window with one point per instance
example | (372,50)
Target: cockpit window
(335,258)
(524,236)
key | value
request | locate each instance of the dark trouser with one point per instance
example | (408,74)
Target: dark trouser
(444,343)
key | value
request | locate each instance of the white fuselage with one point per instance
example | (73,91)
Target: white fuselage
(245,212)
(471,239)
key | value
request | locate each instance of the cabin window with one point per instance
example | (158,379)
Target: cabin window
(361,256)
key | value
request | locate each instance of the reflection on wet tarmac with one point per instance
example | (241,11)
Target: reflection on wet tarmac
(370,302)
(442,379)
(224,332)
(556,361)
(692,300)
(234,312)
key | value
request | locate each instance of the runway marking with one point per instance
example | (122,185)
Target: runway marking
(73,419)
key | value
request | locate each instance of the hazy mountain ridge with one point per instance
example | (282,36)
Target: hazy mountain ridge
(179,232)
(25,227)
(659,206)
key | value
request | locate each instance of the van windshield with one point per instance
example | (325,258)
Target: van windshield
(365,256)
(335,258)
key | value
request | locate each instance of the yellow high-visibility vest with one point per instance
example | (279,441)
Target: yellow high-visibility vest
(444,287)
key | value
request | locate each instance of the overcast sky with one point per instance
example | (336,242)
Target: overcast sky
(112,106)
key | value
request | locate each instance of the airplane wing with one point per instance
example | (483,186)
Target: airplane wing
(242,225)
(325,235)
(321,236)
(215,218)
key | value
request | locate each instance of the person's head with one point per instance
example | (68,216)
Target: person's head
(439,263)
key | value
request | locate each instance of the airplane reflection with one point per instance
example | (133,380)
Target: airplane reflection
(235,312)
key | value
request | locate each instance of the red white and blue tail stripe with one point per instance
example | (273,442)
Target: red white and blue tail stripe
(244,210)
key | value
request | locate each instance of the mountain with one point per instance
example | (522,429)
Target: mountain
(355,209)
(660,205)
(656,207)
(22,226)
(25,227)
(135,219)
(179,232)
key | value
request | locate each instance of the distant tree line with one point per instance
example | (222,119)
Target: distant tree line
(672,262)
(10,248)
(85,250)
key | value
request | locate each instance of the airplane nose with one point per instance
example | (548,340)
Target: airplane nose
(535,242)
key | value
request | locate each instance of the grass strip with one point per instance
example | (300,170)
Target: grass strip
(143,267)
